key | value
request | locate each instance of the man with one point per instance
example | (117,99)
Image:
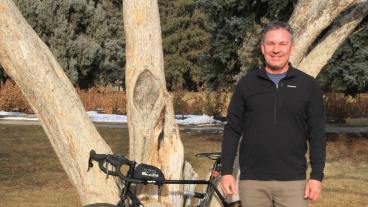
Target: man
(275,110)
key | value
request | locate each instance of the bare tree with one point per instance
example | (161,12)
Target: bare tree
(154,134)
(29,62)
(338,17)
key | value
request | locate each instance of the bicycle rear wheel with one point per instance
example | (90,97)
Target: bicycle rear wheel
(100,205)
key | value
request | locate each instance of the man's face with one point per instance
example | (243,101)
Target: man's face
(276,49)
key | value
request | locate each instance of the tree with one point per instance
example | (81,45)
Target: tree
(29,62)
(346,71)
(185,41)
(338,20)
(153,133)
(316,34)
(235,27)
(85,36)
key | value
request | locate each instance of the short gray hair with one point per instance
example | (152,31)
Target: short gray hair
(277,25)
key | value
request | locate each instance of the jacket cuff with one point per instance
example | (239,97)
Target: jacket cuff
(316,176)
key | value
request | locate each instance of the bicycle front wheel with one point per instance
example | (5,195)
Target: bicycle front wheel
(100,205)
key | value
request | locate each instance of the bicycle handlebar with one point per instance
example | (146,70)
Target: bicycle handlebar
(115,160)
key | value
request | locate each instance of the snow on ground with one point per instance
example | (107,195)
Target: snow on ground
(195,119)
(113,118)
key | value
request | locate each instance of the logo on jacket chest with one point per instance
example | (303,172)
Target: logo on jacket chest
(290,86)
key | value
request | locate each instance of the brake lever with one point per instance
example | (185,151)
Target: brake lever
(107,168)
(90,164)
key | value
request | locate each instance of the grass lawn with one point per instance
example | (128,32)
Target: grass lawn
(31,175)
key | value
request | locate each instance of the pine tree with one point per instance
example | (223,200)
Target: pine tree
(185,42)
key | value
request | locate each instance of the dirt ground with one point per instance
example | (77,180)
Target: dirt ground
(31,175)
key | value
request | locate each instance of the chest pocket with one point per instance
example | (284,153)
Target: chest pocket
(260,101)
(293,99)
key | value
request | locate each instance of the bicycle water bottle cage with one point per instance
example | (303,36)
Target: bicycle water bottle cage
(149,173)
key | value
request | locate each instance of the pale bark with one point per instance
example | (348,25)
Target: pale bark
(29,62)
(342,27)
(309,19)
(154,135)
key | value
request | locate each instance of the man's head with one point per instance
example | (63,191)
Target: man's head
(276,45)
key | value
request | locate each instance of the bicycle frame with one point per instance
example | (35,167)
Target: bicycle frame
(210,186)
(126,194)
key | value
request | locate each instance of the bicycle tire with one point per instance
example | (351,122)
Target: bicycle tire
(100,205)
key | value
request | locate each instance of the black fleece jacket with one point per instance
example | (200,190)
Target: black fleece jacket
(275,123)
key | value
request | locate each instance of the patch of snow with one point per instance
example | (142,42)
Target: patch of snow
(113,118)
(96,117)
(195,119)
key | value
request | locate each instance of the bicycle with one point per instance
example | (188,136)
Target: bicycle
(148,174)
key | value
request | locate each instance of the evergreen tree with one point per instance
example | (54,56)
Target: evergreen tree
(185,41)
(86,36)
(235,27)
(347,70)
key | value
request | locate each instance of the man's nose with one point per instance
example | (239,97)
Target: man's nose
(276,48)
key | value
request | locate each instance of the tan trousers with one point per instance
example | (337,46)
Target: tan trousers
(272,193)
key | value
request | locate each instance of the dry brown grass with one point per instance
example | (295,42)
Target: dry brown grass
(339,107)
(346,174)
(31,175)
(105,99)
(12,99)
(212,103)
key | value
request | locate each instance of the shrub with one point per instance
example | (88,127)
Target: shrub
(339,107)
(12,98)
(103,99)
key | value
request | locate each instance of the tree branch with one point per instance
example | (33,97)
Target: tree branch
(309,19)
(342,27)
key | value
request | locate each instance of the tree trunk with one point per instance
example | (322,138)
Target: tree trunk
(154,135)
(29,62)
(309,19)
(316,59)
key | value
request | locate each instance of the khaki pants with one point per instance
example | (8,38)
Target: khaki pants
(272,193)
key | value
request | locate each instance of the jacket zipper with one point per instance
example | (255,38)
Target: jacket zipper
(275,104)
(278,87)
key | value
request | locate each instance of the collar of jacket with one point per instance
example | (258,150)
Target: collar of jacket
(289,74)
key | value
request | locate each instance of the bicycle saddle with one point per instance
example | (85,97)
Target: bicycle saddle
(210,155)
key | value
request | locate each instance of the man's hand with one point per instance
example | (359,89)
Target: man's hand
(313,190)
(228,185)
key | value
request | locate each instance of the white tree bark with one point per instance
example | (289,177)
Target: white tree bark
(154,135)
(315,60)
(309,19)
(29,62)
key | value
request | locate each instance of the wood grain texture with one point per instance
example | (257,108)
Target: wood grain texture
(154,134)
(29,62)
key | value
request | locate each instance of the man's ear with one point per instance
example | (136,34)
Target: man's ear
(262,48)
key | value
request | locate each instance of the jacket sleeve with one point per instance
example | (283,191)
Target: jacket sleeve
(232,130)
(316,124)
